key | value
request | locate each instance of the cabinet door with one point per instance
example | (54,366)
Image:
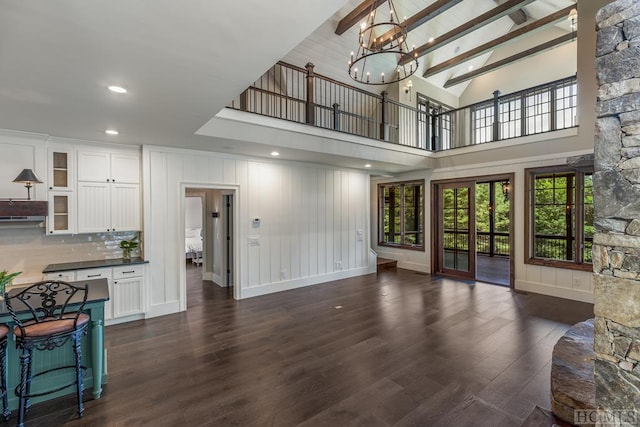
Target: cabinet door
(125,168)
(94,207)
(61,217)
(125,207)
(94,166)
(127,296)
(61,162)
(100,273)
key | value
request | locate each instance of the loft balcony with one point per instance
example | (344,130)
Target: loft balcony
(301,96)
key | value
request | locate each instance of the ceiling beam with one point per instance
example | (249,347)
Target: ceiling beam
(425,15)
(472,25)
(566,38)
(493,44)
(356,15)
(518,17)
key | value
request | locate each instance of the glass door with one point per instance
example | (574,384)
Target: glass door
(456,229)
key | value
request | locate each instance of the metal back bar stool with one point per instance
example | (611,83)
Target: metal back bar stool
(54,316)
(4,331)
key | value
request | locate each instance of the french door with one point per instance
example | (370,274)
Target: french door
(456,248)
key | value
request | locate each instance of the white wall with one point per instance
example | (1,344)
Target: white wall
(309,218)
(193,212)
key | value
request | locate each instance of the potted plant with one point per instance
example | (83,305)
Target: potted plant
(6,278)
(127,246)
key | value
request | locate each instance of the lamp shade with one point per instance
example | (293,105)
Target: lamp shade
(27,176)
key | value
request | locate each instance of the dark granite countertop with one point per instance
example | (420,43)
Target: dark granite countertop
(83,265)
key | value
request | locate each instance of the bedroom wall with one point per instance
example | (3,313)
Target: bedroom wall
(313,227)
(193,212)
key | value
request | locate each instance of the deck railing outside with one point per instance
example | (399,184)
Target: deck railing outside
(300,95)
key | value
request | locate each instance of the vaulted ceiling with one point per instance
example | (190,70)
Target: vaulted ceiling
(445,37)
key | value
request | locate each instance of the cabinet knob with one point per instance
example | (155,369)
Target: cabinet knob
(50,231)
(50,188)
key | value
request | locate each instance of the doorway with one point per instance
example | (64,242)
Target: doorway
(473,229)
(216,259)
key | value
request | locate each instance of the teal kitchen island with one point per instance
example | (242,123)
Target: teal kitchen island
(93,351)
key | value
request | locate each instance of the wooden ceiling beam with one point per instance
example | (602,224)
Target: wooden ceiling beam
(518,17)
(566,38)
(357,15)
(495,43)
(422,17)
(472,25)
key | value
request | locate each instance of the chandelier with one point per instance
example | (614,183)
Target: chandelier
(382,45)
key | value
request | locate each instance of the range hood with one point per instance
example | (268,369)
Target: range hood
(25,212)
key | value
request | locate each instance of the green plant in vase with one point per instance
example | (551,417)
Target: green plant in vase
(6,278)
(127,246)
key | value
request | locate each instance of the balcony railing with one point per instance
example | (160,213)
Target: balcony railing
(300,95)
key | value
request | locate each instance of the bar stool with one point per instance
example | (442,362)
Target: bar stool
(52,313)
(4,331)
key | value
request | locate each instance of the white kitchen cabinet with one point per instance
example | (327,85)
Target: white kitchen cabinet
(61,217)
(100,273)
(60,167)
(65,276)
(108,207)
(61,185)
(128,290)
(104,166)
(108,191)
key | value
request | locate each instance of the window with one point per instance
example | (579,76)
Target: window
(401,216)
(560,221)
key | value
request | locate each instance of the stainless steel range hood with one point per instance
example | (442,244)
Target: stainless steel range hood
(23,212)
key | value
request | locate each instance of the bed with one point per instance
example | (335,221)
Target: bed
(193,245)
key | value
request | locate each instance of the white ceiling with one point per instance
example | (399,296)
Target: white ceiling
(181,61)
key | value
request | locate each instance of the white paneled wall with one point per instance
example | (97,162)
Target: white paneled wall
(307,229)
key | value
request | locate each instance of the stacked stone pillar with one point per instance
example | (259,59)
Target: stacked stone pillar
(617,209)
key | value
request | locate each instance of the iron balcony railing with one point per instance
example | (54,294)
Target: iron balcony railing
(300,95)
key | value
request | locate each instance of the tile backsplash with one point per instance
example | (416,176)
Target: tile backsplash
(30,250)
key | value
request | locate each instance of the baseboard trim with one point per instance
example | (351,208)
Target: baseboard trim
(287,285)
(554,291)
(163,309)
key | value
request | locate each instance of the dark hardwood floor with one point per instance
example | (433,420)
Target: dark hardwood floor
(397,348)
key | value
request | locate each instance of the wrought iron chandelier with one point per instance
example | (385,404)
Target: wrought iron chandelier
(382,44)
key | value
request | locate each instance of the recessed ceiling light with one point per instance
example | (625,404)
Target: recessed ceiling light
(470,67)
(117,89)
(368,165)
(431,39)
(275,153)
(111,132)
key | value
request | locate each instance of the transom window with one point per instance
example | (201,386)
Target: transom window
(560,221)
(401,216)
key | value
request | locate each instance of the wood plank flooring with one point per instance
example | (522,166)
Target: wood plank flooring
(394,349)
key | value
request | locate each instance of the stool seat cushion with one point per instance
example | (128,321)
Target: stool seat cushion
(4,331)
(46,327)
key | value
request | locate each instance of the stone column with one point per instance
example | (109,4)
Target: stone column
(616,249)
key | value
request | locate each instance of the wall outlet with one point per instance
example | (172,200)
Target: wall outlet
(283,275)
(577,282)
(338,265)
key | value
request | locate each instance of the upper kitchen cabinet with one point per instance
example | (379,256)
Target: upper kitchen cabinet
(108,190)
(61,170)
(105,166)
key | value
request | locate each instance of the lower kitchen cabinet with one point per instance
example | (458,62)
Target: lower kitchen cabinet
(126,289)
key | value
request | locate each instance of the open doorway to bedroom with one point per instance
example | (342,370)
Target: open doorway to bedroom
(208,244)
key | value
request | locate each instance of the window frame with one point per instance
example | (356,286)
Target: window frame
(381,215)
(529,255)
